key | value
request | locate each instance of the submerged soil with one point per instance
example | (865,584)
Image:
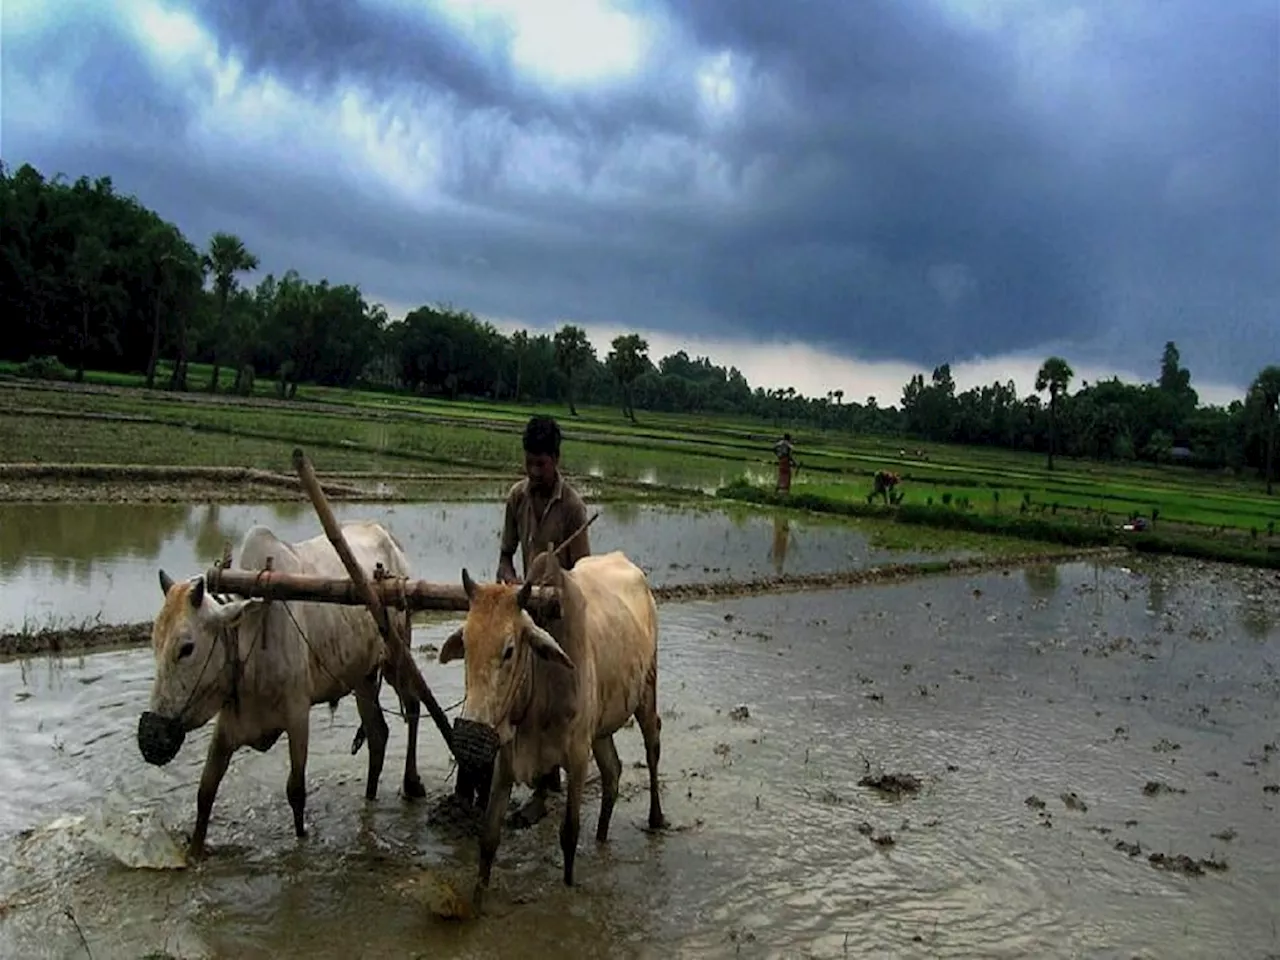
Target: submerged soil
(1015,716)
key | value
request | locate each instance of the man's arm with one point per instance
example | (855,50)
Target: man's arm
(510,541)
(579,546)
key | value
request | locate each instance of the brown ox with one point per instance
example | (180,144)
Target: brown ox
(260,666)
(536,705)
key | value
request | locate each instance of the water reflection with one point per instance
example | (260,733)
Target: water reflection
(71,536)
(1042,578)
(781,538)
(1157,593)
(1257,615)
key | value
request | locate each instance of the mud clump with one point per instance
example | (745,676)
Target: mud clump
(881,839)
(1181,863)
(1132,849)
(455,817)
(1271,788)
(896,785)
(740,712)
(1154,787)
(1034,802)
(1072,801)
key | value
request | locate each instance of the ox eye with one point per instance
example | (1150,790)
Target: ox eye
(506,654)
(186,650)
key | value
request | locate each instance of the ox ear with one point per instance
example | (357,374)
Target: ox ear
(228,614)
(453,648)
(522,598)
(545,646)
(166,582)
(468,584)
(197,593)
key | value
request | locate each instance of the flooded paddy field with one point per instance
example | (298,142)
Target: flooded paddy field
(65,564)
(1082,760)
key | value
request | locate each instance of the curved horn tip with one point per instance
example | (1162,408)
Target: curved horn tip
(468,584)
(166,582)
(197,592)
(526,591)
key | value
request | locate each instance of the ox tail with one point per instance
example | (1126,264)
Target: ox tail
(358,740)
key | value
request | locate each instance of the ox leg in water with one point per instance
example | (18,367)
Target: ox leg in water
(296,787)
(650,724)
(491,833)
(215,768)
(374,725)
(412,786)
(610,764)
(572,818)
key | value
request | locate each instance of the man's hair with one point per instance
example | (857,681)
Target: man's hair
(542,437)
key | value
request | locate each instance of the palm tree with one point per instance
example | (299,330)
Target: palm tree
(520,346)
(1266,387)
(1055,376)
(227,256)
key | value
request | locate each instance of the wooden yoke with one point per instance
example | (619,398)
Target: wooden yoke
(401,662)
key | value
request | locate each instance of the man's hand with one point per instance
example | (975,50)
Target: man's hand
(507,571)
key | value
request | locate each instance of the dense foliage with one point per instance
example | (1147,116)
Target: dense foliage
(93,279)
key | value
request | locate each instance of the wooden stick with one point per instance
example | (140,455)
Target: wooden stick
(417,595)
(577,533)
(401,662)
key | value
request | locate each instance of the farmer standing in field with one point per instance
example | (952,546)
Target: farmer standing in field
(542,509)
(786,463)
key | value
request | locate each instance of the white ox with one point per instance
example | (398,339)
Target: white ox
(535,704)
(260,666)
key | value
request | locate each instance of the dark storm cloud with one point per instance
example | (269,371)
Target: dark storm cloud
(327,42)
(900,184)
(97,54)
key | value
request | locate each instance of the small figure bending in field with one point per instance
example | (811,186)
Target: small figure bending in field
(786,463)
(885,481)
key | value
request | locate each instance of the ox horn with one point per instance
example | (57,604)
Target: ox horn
(166,582)
(468,585)
(522,598)
(197,592)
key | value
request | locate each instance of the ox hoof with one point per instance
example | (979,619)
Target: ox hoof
(413,789)
(658,824)
(196,852)
(528,815)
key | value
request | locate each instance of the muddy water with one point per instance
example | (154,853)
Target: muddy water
(63,564)
(992,690)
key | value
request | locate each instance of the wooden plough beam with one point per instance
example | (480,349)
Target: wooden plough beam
(411,595)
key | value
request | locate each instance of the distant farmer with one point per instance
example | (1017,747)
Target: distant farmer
(542,509)
(786,463)
(885,481)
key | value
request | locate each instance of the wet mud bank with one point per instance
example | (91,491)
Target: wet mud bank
(141,483)
(119,483)
(938,767)
(99,637)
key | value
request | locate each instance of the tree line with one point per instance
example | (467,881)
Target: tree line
(93,279)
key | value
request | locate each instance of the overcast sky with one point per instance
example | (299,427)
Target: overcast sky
(830,194)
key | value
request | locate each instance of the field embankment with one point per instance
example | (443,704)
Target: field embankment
(1076,531)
